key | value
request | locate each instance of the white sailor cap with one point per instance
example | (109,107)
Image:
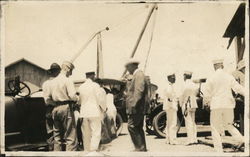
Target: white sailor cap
(68,64)
(241,64)
(132,61)
(218,61)
(188,72)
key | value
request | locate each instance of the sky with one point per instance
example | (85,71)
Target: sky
(186,36)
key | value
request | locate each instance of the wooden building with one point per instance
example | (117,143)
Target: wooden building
(30,73)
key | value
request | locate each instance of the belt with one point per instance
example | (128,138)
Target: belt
(59,103)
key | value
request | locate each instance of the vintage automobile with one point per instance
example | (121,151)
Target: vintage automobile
(24,118)
(202,115)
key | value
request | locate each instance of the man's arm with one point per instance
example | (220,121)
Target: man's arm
(237,87)
(47,94)
(71,90)
(207,93)
(102,98)
(139,87)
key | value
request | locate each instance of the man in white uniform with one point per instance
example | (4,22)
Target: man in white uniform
(170,106)
(218,94)
(111,110)
(189,105)
(63,93)
(93,105)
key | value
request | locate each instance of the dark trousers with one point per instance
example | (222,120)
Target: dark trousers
(135,128)
(64,129)
(49,127)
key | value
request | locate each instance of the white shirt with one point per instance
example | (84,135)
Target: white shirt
(92,99)
(170,97)
(218,90)
(190,91)
(47,92)
(63,89)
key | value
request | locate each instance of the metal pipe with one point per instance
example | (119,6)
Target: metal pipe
(86,44)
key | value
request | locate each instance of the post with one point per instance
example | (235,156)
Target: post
(99,67)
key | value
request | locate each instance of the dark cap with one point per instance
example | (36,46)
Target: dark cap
(54,66)
(90,73)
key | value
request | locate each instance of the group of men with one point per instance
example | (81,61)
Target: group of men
(217,95)
(61,98)
(186,99)
(61,94)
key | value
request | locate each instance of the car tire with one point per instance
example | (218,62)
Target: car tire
(150,128)
(159,124)
(119,124)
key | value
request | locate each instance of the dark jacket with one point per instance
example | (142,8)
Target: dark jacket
(137,96)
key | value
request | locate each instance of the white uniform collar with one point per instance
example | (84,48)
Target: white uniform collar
(171,84)
(88,80)
(135,71)
(188,80)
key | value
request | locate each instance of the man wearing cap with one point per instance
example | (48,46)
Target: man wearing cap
(170,105)
(93,105)
(136,104)
(52,72)
(218,95)
(63,93)
(189,105)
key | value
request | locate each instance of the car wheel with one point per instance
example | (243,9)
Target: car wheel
(159,124)
(149,127)
(119,124)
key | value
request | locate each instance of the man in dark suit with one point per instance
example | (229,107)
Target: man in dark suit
(136,104)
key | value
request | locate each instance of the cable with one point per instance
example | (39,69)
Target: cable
(151,39)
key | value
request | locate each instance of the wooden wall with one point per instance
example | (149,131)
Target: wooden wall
(27,72)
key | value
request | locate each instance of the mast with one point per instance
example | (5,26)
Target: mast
(99,67)
(141,33)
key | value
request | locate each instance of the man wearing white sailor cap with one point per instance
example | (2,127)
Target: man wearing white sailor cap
(189,105)
(170,105)
(218,95)
(136,104)
(63,93)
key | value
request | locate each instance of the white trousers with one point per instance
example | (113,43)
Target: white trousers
(91,130)
(171,122)
(220,120)
(191,126)
(112,115)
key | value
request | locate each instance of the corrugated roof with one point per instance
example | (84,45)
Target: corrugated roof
(236,26)
(24,60)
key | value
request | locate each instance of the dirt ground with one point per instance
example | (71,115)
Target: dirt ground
(122,145)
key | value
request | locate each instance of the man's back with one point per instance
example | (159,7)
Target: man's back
(189,91)
(219,88)
(136,93)
(62,89)
(89,99)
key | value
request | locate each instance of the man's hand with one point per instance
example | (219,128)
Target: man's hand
(133,110)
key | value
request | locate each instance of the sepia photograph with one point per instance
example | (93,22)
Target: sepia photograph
(124,78)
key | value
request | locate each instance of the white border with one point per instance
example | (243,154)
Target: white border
(22,153)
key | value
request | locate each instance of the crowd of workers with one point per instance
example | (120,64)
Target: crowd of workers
(96,103)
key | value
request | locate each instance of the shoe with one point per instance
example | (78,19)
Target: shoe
(188,144)
(135,150)
(167,142)
(173,143)
(240,145)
